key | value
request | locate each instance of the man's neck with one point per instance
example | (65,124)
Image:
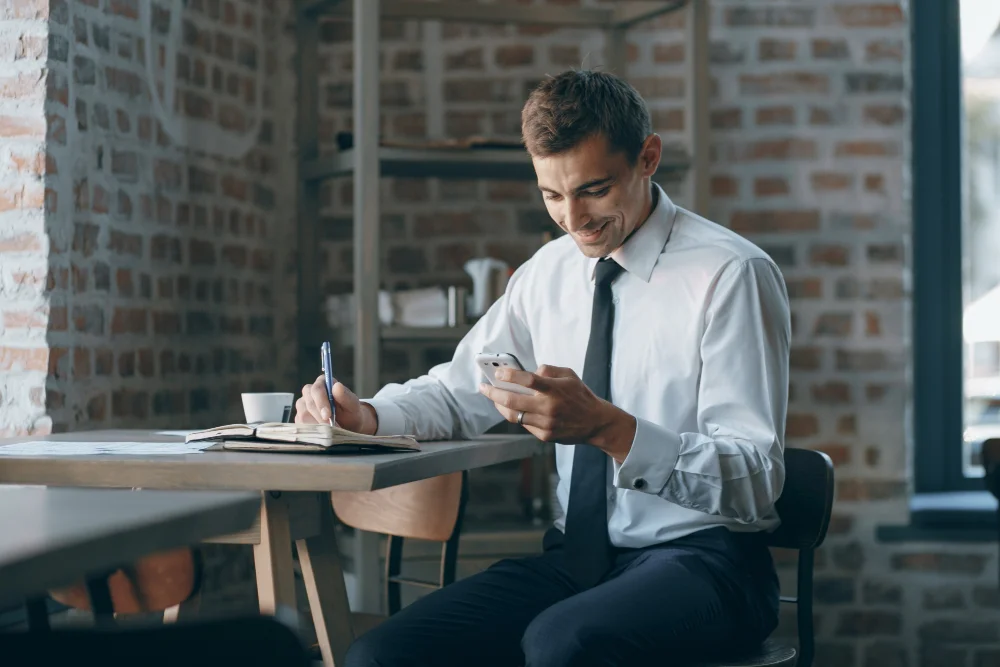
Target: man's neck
(654,197)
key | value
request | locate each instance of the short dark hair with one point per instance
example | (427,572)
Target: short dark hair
(569,108)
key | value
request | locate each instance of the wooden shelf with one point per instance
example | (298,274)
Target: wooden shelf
(495,163)
(449,334)
(622,15)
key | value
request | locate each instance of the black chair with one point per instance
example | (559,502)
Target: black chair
(804,507)
(257,640)
(991,463)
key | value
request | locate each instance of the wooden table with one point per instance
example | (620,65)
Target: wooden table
(295,504)
(53,537)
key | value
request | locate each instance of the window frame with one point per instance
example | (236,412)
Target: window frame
(937,248)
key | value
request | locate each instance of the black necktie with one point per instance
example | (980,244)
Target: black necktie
(587,547)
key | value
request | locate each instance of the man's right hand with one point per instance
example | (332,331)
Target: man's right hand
(353,415)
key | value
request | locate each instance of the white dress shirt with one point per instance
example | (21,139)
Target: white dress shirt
(699,358)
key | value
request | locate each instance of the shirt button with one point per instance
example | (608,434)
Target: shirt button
(638,483)
(611,497)
(615,301)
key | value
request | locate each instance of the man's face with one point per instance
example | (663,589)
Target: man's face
(595,195)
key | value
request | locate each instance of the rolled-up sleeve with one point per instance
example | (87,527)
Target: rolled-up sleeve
(446,403)
(733,465)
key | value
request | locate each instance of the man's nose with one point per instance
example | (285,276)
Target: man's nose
(576,215)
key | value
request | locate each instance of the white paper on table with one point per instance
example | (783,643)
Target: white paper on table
(179,434)
(50,448)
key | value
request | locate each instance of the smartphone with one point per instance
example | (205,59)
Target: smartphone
(489,363)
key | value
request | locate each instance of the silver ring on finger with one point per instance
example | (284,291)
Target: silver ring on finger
(520,418)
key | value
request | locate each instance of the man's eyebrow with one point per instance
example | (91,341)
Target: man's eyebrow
(585,186)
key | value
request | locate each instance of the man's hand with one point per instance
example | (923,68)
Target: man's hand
(563,409)
(314,408)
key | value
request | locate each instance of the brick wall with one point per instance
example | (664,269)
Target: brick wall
(810,150)
(149,291)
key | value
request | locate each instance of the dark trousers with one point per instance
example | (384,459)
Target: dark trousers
(710,595)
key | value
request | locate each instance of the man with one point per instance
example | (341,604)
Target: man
(659,343)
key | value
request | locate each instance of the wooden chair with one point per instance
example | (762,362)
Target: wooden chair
(430,509)
(804,507)
(155,583)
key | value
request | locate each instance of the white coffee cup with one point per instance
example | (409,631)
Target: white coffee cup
(267,407)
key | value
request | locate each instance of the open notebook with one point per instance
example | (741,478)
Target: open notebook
(279,437)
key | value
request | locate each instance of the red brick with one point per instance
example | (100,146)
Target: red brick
(884,50)
(780,115)
(837,325)
(775,221)
(829,255)
(776,49)
(471,58)
(24,359)
(870,15)
(27,319)
(801,425)
(839,453)
(832,392)
(58,319)
(659,87)
(509,191)
(514,55)
(724,186)
(97,408)
(866,149)
(869,489)
(81,363)
(411,189)
(784,83)
(830,49)
(804,288)
(875,183)
(25,242)
(770,186)
(22,127)
(31,162)
(128,320)
(669,53)
(806,358)
(884,114)
(780,149)
(873,325)
(27,196)
(726,119)
(831,181)
(668,120)
(126,8)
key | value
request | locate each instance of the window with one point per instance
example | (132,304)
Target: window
(956,239)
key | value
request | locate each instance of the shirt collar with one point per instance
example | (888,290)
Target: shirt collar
(639,253)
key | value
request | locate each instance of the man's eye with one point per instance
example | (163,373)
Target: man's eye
(597,193)
(551,196)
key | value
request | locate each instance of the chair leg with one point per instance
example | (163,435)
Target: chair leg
(449,553)
(393,567)
(804,610)
(38,614)
(100,600)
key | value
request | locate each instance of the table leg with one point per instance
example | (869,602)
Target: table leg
(323,576)
(273,556)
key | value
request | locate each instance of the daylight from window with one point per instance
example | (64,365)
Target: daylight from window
(981,226)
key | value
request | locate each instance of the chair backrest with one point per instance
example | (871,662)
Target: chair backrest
(424,510)
(806,500)
(991,462)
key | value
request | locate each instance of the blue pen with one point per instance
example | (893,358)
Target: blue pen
(326,359)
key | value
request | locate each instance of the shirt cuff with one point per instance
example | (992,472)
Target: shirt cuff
(391,420)
(650,461)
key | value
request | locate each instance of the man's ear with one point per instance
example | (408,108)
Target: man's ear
(649,156)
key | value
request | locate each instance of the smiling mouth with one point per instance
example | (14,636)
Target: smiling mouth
(591,235)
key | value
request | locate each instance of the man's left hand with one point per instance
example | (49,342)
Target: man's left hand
(563,409)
